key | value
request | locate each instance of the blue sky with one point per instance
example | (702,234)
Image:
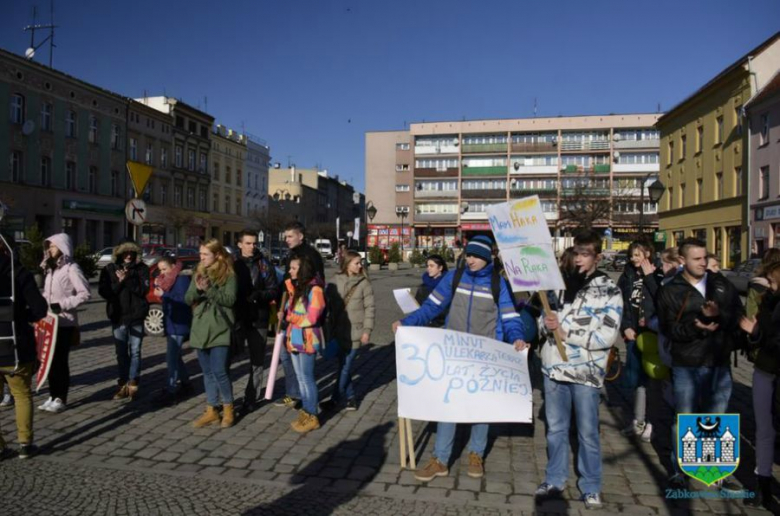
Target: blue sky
(311,77)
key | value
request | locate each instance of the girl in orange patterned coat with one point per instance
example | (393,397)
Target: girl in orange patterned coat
(303,312)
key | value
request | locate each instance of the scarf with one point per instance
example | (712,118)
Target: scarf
(165,281)
(431,283)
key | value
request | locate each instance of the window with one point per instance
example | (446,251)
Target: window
(178,156)
(215,207)
(216,171)
(192,127)
(401,168)
(738,119)
(203,168)
(15,164)
(180,121)
(70,124)
(719,130)
(204,132)
(670,199)
(164,157)
(699,191)
(177,195)
(238,206)
(401,146)
(93,129)
(635,158)
(191,160)
(227,204)
(670,153)
(699,138)
(738,181)
(719,186)
(46,109)
(133,149)
(163,194)
(228,175)
(93,180)
(682,195)
(202,200)
(149,154)
(115,137)
(70,175)
(114,183)
(17,108)
(238,177)
(190,197)
(438,164)
(683,146)
(402,188)
(763,186)
(764,129)
(45,171)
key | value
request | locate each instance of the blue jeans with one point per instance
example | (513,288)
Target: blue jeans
(558,400)
(633,374)
(291,388)
(445,438)
(345,389)
(216,380)
(304,370)
(699,390)
(127,340)
(176,369)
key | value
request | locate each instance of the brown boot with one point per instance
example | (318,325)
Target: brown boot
(121,393)
(132,389)
(228,417)
(210,416)
(306,423)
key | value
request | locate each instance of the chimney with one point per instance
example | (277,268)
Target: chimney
(292,174)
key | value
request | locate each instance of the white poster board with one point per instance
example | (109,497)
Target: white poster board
(455,377)
(525,244)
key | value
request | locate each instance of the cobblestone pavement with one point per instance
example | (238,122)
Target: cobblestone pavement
(107,457)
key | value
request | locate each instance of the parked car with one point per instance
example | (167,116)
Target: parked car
(104,257)
(618,263)
(741,275)
(154,323)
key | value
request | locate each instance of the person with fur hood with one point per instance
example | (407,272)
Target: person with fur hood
(124,284)
(65,289)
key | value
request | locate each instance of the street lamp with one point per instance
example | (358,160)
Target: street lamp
(655,192)
(402,213)
(370,213)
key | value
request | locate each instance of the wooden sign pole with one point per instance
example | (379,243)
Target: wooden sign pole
(406,439)
(548,310)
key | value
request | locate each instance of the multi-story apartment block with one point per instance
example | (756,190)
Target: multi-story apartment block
(62,150)
(191,140)
(228,183)
(763,124)
(258,157)
(703,156)
(433,183)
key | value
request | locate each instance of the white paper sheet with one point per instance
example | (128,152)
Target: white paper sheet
(403,296)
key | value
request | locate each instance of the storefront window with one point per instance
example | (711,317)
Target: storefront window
(719,244)
(735,246)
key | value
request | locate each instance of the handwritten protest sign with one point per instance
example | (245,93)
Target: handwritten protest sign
(526,249)
(456,377)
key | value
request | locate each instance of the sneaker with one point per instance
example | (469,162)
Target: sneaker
(56,406)
(45,405)
(26,451)
(476,468)
(592,501)
(8,400)
(352,405)
(634,429)
(647,433)
(546,490)
(122,393)
(433,469)
(285,402)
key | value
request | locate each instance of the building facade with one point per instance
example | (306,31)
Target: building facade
(703,156)
(190,178)
(228,182)
(763,123)
(62,146)
(432,184)
(258,157)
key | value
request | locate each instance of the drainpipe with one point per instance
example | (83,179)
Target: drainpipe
(747,146)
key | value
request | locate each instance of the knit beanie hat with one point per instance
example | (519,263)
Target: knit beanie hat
(481,246)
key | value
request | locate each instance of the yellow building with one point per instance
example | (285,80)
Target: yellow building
(703,156)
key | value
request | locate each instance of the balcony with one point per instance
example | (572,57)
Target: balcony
(534,147)
(492,193)
(436,217)
(484,147)
(479,215)
(637,144)
(484,171)
(551,215)
(636,167)
(426,150)
(435,194)
(579,169)
(436,172)
(585,191)
(517,193)
(534,169)
(596,145)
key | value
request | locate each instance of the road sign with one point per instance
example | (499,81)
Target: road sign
(139,175)
(135,211)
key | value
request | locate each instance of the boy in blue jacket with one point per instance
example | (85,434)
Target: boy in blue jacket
(472,310)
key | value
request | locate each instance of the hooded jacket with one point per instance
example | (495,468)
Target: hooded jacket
(210,328)
(29,306)
(126,302)
(680,304)
(358,315)
(472,309)
(304,319)
(632,286)
(64,284)
(591,325)
(257,288)
(767,338)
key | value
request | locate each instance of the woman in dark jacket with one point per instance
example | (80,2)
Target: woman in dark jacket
(171,286)
(436,268)
(17,356)
(764,338)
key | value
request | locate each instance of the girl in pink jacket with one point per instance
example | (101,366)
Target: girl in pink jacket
(65,289)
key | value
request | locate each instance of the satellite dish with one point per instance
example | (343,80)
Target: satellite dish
(29,53)
(517,165)
(28,128)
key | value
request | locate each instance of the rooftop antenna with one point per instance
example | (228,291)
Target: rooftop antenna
(659,108)
(30,52)
(535,106)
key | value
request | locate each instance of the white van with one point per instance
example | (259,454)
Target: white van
(323,246)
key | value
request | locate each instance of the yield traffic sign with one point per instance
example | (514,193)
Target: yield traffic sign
(139,175)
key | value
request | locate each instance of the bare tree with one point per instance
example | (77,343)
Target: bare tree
(178,219)
(589,199)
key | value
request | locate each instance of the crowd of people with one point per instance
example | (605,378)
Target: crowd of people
(225,306)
